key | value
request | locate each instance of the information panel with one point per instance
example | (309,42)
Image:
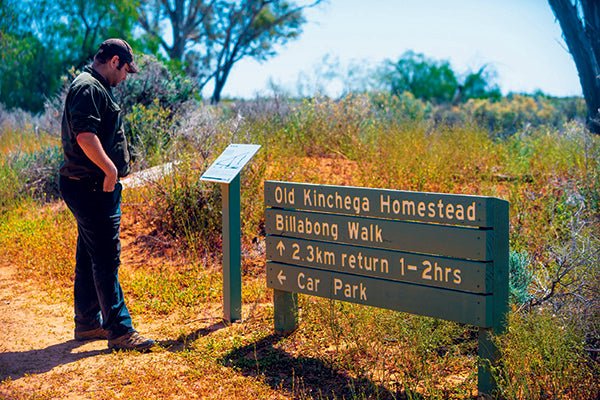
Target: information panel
(229,164)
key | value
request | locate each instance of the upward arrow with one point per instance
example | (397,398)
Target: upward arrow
(281,248)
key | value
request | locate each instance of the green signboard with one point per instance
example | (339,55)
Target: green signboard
(433,254)
(468,308)
(382,203)
(450,273)
(444,240)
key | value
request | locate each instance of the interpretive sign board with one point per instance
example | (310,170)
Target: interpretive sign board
(226,171)
(432,254)
(229,164)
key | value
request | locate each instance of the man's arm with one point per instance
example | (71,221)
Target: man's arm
(91,146)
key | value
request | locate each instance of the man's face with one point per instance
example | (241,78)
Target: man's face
(117,75)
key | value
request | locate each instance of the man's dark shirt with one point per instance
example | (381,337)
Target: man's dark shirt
(91,107)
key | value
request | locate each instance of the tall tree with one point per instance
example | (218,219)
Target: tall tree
(435,80)
(211,36)
(75,28)
(425,78)
(27,73)
(580,24)
(188,20)
(41,39)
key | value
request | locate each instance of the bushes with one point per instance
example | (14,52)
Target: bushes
(550,174)
(150,130)
(33,175)
(150,100)
(516,112)
(30,160)
(39,172)
(520,277)
(186,210)
(155,81)
(543,357)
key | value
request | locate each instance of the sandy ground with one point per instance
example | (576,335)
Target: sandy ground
(37,336)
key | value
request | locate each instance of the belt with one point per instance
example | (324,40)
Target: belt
(93,184)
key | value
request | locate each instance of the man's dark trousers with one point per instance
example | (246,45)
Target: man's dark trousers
(98,295)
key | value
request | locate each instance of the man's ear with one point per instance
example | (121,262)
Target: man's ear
(114,61)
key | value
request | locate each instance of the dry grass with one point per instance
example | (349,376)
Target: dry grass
(340,350)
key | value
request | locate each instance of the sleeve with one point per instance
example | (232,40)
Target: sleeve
(85,110)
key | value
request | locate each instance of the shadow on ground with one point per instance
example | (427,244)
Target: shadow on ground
(16,364)
(304,377)
(184,342)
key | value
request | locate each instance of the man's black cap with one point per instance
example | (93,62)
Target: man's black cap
(118,47)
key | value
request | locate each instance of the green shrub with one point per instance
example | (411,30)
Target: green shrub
(544,358)
(520,277)
(151,131)
(36,173)
(153,96)
(399,108)
(11,187)
(155,81)
(516,112)
(187,209)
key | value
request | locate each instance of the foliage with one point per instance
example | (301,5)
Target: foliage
(38,172)
(543,357)
(425,79)
(37,47)
(210,37)
(520,277)
(435,81)
(150,101)
(27,73)
(516,112)
(29,163)
(548,171)
(150,134)
(33,175)
(77,29)
(400,108)
(10,187)
(155,83)
(185,209)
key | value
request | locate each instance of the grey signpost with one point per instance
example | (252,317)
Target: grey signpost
(226,171)
(433,254)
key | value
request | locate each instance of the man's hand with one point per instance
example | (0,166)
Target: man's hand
(110,181)
(91,146)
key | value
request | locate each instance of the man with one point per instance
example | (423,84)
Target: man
(96,155)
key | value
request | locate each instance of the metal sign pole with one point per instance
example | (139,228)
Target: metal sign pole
(232,270)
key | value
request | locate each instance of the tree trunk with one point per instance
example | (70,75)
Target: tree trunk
(220,79)
(580,36)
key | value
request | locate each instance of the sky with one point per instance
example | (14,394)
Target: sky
(520,39)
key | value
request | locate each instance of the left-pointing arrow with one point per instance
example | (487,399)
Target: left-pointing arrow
(281,277)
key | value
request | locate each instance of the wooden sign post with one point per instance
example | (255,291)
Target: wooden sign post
(226,171)
(439,255)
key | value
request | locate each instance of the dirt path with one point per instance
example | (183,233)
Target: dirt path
(36,337)
(39,359)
